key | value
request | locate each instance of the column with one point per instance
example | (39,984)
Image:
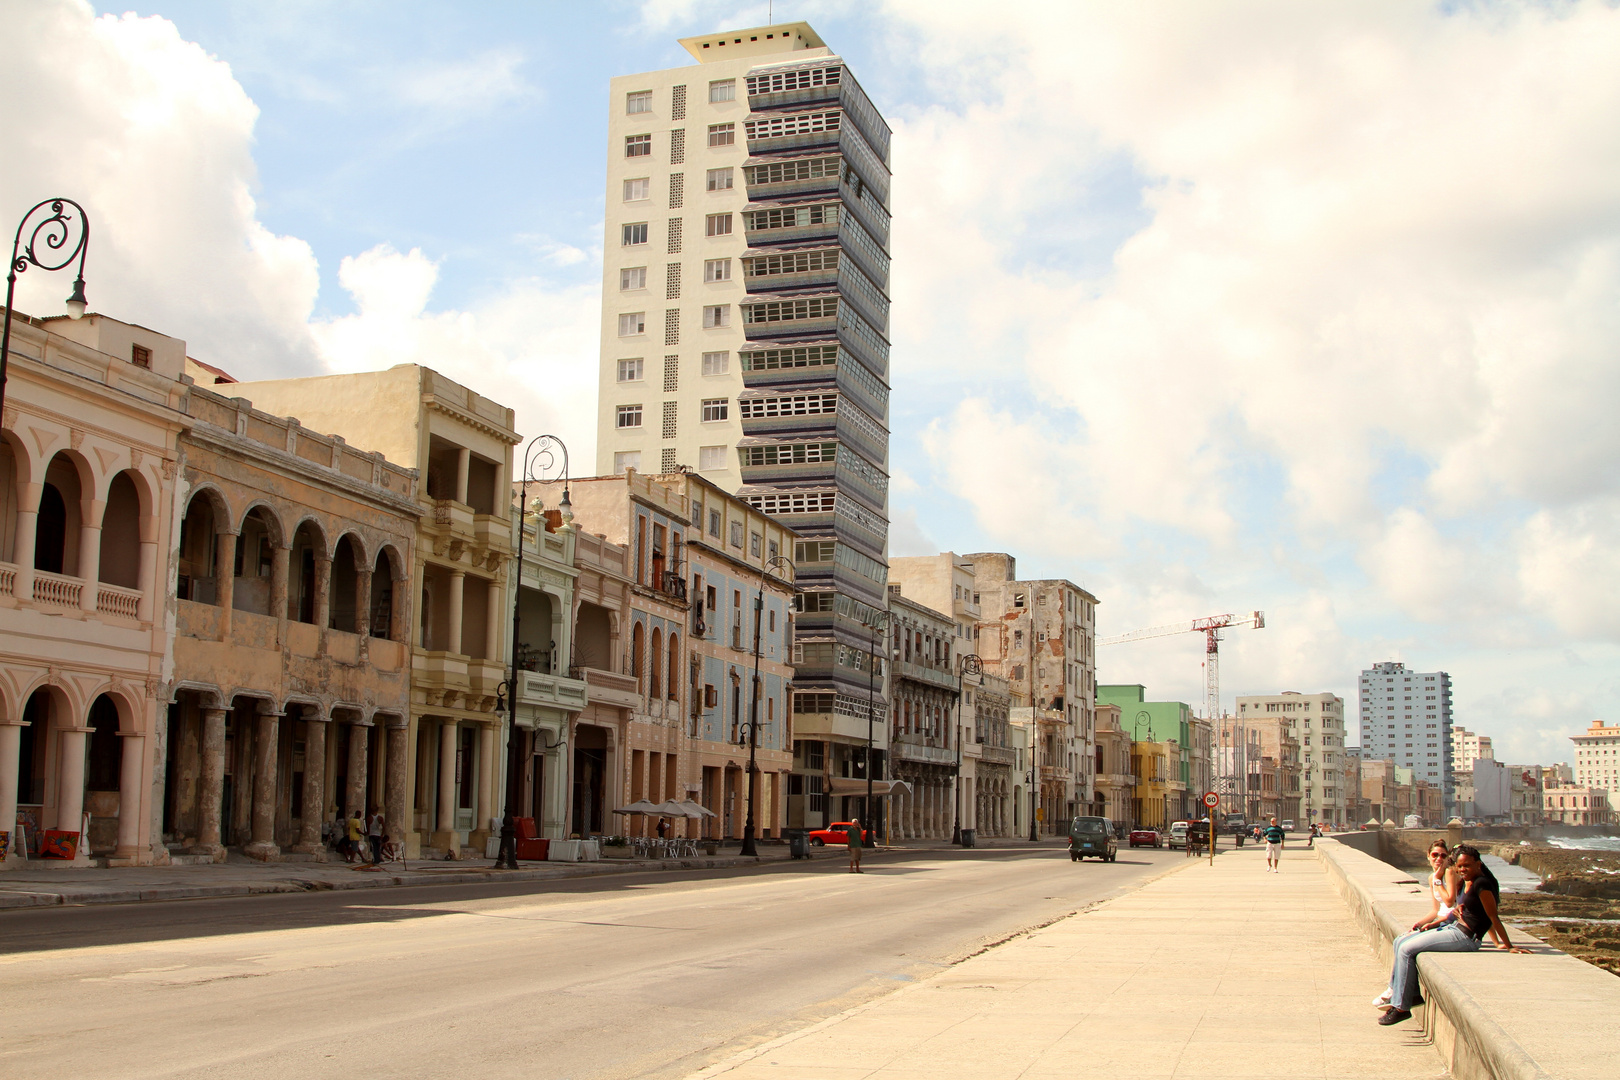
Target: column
(314,798)
(499,617)
(131,772)
(262,839)
(10,768)
(27,530)
(355,797)
(280,559)
(70,782)
(211,782)
(394,787)
(463,463)
(399,627)
(225,582)
(90,553)
(485,799)
(444,825)
(146,580)
(323,591)
(458,581)
(362,606)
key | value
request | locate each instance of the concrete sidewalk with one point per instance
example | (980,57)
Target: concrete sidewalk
(47,884)
(1223,971)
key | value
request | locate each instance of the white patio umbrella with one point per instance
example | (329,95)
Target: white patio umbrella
(640,806)
(696,810)
(671,808)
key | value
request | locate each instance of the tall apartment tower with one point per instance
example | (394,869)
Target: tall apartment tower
(745,328)
(1406,718)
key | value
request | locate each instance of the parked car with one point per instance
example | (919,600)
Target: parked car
(837,833)
(1178,834)
(1091,837)
(1288,826)
(1146,838)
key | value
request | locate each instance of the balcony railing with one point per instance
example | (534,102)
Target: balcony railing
(118,602)
(56,590)
(8,579)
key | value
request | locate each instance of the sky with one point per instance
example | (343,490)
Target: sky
(1307,308)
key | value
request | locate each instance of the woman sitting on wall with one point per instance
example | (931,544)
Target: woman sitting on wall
(1461,930)
(1444,884)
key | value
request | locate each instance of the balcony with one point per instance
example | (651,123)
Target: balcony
(454,515)
(56,590)
(923,748)
(928,674)
(998,755)
(611,688)
(492,531)
(552,691)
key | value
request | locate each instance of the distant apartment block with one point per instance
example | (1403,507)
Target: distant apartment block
(1406,718)
(1317,722)
(1597,756)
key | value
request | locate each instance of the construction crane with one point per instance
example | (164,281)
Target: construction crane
(1211,629)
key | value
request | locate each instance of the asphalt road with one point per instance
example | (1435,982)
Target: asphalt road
(639,975)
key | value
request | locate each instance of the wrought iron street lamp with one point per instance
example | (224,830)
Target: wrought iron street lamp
(969,665)
(540,455)
(1034,736)
(48,249)
(1142,717)
(749,848)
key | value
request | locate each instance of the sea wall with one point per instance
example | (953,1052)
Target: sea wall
(1491,1015)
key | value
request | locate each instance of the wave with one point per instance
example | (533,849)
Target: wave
(1585,843)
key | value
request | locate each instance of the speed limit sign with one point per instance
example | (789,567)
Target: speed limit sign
(1211,799)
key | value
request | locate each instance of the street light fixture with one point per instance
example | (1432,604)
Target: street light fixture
(969,665)
(749,849)
(1034,734)
(541,455)
(53,233)
(1142,717)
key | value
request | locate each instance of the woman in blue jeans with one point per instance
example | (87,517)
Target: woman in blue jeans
(1460,930)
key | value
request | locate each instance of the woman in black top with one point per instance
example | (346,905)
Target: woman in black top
(1474,916)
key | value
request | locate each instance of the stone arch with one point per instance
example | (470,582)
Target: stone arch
(259,539)
(343,597)
(387,589)
(207,514)
(309,551)
(104,719)
(655,654)
(123,521)
(16,472)
(637,649)
(45,708)
(673,689)
(65,493)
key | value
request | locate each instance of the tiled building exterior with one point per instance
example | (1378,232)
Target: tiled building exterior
(1406,718)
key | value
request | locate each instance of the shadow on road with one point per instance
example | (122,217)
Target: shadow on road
(28,930)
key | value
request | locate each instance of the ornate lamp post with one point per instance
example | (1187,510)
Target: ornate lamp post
(869,822)
(775,561)
(540,455)
(1034,734)
(969,665)
(48,249)
(1142,717)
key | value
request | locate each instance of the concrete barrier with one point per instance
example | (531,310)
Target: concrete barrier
(1492,1015)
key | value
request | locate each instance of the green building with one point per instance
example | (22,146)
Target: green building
(1156,721)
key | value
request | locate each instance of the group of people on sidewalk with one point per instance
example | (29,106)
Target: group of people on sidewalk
(1462,911)
(355,837)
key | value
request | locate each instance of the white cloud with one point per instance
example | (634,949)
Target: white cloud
(154,137)
(531,348)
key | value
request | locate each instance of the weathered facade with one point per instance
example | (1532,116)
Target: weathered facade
(88,457)
(986,703)
(460,444)
(924,691)
(613,695)
(1042,635)
(548,694)
(291,601)
(1116,783)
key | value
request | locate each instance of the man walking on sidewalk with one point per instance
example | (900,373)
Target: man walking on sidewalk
(853,832)
(1274,845)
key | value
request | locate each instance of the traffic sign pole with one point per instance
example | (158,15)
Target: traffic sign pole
(1211,801)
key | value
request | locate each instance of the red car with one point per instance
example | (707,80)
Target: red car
(1146,838)
(837,833)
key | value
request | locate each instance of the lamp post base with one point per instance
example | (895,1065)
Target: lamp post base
(749,850)
(506,857)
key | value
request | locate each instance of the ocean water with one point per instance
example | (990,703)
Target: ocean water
(1585,843)
(1512,878)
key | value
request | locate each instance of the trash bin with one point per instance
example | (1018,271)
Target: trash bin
(967,837)
(799,843)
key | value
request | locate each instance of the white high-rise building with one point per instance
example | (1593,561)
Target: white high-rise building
(1597,756)
(1406,718)
(745,333)
(1317,721)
